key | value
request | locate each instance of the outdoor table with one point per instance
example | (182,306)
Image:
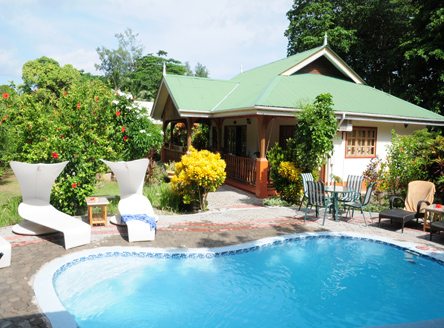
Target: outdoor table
(432,213)
(101,202)
(335,191)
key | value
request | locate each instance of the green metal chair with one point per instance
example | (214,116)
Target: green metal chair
(316,197)
(362,202)
(305,177)
(355,182)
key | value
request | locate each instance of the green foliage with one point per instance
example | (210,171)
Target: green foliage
(315,130)
(201,70)
(139,133)
(395,45)
(80,123)
(45,75)
(162,197)
(424,57)
(285,174)
(200,138)
(275,201)
(148,73)
(415,157)
(117,63)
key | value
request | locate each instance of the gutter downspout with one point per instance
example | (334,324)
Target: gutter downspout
(342,119)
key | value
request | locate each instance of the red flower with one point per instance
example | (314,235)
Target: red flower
(413,162)
(64,93)
(401,149)
(78,105)
(36,91)
(118,113)
(75,155)
(74,185)
(125,138)
(5,95)
(55,155)
(117,92)
(123,129)
(96,99)
(61,136)
(403,136)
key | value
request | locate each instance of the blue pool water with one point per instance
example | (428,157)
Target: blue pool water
(310,282)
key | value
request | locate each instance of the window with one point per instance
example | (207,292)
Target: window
(361,142)
(236,140)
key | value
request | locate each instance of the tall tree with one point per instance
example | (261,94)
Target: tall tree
(201,70)
(145,80)
(424,57)
(46,75)
(117,63)
(366,34)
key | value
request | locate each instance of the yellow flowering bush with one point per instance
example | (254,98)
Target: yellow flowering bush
(198,173)
(290,186)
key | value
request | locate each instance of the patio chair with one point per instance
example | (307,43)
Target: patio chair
(362,202)
(135,209)
(40,217)
(419,194)
(305,177)
(316,197)
(355,182)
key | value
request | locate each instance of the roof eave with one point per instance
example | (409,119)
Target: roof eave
(289,112)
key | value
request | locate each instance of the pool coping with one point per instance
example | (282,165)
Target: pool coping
(59,317)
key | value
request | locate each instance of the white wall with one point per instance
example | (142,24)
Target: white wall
(342,167)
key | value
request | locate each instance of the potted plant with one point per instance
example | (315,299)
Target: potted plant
(170,169)
(336,179)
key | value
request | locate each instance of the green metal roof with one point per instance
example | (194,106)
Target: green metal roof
(349,97)
(266,87)
(195,93)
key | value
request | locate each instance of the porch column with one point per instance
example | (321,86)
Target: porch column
(262,162)
(190,123)
(162,151)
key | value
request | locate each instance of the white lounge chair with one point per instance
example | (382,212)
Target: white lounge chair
(5,253)
(130,177)
(40,217)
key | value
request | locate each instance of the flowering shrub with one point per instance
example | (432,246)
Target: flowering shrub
(285,174)
(81,123)
(404,162)
(198,173)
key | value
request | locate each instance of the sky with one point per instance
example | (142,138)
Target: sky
(222,35)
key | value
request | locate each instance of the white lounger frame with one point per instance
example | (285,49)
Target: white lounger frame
(40,217)
(130,177)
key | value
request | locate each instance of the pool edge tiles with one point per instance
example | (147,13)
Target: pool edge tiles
(59,317)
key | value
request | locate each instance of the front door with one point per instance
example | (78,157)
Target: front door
(236,140)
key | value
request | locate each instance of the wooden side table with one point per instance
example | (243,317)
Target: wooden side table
(432,213)
(101,202)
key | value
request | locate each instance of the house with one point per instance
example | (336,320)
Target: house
(254,110)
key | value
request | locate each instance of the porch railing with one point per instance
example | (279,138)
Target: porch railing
(172,155)
(241,169)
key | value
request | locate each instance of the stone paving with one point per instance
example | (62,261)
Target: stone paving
(233,218)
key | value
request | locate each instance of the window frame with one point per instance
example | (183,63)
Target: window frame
(367,128)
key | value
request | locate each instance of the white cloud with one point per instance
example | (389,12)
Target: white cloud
(10,66)
(222,35)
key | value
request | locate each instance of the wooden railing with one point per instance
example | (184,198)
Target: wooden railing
(172,155)
(241,169)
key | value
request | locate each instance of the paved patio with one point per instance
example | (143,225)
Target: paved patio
(233,218)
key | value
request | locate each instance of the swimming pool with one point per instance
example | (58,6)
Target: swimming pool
(271,283)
